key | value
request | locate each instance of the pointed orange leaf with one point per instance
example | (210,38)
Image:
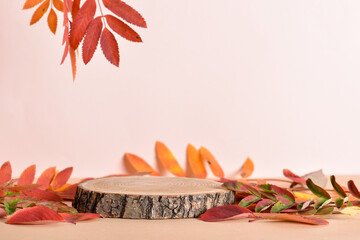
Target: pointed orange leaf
(168,160)
(210,159)
(247,168)
(75,8)
(52,21)
(70,217)
(73,62)
(61,178)
(40,11)
(81,21)
(139,164)
(110,47)
(59,5)
(43,195)
(122,29)
(46,177)
(31,3)
(27,176)
(91,39)
(5,172)
(195,162)
(125,12)
(35,215)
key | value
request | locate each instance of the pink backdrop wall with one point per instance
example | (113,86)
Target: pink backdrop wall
(278,81)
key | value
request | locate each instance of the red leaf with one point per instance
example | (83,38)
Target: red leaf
(91,39)
(39,12)
(81,21)
(24,187)
(43,195)
(73,62)
(122,29)
(292,218)
(225,213)
(66,50)
(46,177)
(110,47)
(27,176)
(125,12)
(75,8)
(35,215)
(2,213)
(5,172)
(353,189)
(69,192)
(287,173)
(61,178)
(79,216)
(31,3)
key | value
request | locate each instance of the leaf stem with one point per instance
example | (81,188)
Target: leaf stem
(102,14)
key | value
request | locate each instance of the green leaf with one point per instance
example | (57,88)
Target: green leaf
(339,202)
(247,201)
(11,193)
(304,205)
(279,206)
(322,202)
(324,211)
(337,187)
(263,205)
(318,191)
(283,193)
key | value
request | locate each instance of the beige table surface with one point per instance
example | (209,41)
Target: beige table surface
(340,227)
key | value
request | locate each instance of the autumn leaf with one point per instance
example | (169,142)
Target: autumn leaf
(263,205)
(2,213)
(5,172)
(35,215)
(73,61)
(210,159)
(353,189)
(27,176)
(31,3)
(247,168)
(247,201)
(43,195)
(91,39)
(227,212)
(297,179)
(40,12)
(125,12)
(81,21)
(79,216)
(59,5)
(46,177)
(353,210)
(139,164)
(195,162)
(61,178)
(337,187)
(318,191)
(122,29)
(110,47)
(292,218)
(75,8)
(52,21)
(168,160)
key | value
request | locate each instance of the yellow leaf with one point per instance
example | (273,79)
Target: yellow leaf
(303,197)
(353,210)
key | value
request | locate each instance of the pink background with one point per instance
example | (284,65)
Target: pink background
(278,81)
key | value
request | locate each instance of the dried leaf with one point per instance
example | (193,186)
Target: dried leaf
(195,162)
(318,177)
(35,215)
(125,12)
(292,218)
(75,8)
(263,205)
(353,210)
(40,11)
(61,178)
(168,160)
(91,39)
(46,177)
(31,3)
(337,187)
(5,172)
(139,164)
(81,22)
(297,179)
(27,176)
(247,168)
(210,159)
(353,189)
(59,5)
(2,213)
(226,213)
(43,195)
(79,216)
(122,29)
(318,191)
(247,201)
(235,186)
(110,47)
(52,21)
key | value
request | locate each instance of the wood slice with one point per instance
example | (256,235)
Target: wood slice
(150,197)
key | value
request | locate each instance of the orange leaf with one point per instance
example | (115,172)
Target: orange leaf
(91,39)
(195,162)
(81,21)
(75,8)
(247,168)
(40,12)
(168,160)
(73,62)
(52,21)
(31,3)
(27,176)
(122,29)
(59,5)
(43,195)
(46,177)
(66,50)
(5,172)
(210,159)
(61,178)
(79,216)
(24,187)
(125,12)
(35,215)
(139,164)
(292,218)
(110,47)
